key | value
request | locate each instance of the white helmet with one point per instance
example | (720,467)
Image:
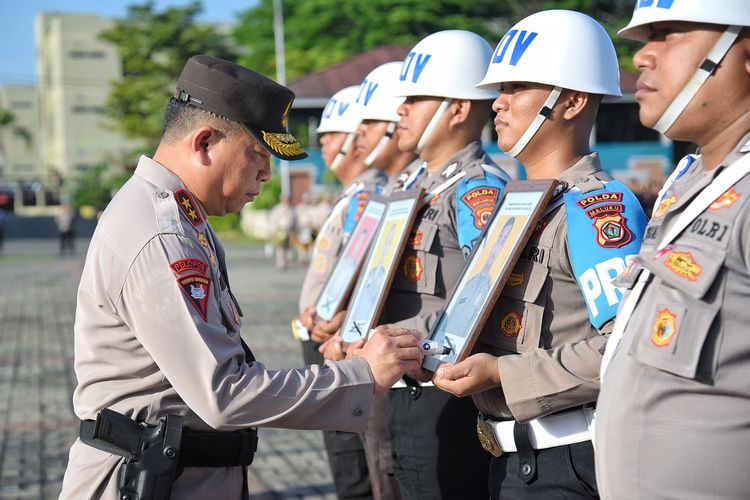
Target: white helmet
(341,113)
(724,12)
(377,102)
(376,93)
(735,14)
(561,48)
(445,64)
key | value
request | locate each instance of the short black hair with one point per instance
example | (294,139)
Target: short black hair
(180,118)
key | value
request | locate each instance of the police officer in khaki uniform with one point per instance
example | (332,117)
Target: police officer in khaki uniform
(377,143)
(540,351)
(436,454)
(341,116)
(157,327)
(673,417)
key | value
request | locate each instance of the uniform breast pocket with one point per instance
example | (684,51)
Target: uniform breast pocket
(230,316)
(417,272)
(675,335)
(513,326)
(525,281)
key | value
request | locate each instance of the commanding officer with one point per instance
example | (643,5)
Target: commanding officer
(157,327)
(338,125)
(541,349)
(435,452)
(673,418)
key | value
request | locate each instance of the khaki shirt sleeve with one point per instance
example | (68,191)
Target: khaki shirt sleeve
(545,381)
(206,364)
(325,254)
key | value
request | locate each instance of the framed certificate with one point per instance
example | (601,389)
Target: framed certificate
(379,269)
(488,267)
(340,282)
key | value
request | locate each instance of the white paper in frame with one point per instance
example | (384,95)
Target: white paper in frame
(489,265)
(336,291)
(377,273)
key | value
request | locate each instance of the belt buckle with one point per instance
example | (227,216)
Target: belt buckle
(486,437)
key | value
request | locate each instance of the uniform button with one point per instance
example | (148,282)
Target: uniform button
(357,412)
(525,469)
(413,391)
(163,195)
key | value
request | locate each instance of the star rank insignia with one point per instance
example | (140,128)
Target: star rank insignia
(188,207)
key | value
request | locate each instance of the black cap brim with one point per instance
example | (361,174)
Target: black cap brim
(282,145)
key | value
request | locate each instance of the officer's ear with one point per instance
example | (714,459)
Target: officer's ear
(459,110)
(575,104)
(745,41)
(202,142)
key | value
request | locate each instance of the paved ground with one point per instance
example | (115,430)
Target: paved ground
(37,425)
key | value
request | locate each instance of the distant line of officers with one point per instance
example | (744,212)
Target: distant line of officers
(614,363)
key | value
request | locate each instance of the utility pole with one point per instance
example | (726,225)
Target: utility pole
(278,34)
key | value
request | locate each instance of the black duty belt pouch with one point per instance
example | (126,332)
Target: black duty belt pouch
(114,433)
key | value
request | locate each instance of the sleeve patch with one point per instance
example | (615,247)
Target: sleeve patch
(481,201)
(605,230)
(189,264)
(197,289)
(475,201)
(188,207)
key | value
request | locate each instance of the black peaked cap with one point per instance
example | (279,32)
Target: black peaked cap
(237,93)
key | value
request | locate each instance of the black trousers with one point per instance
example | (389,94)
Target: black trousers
(435,448)
(563,472)
(346,453)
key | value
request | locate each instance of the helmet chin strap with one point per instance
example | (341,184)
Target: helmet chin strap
(714,57)
(336,163)
(381,144)
(532,129)
(428,131)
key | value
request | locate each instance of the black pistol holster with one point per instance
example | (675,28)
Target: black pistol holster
(156,454)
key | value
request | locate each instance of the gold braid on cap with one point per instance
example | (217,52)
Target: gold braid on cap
(284,144)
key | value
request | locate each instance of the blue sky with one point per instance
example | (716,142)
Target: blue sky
(17,58)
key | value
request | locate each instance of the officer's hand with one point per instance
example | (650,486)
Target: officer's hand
(307,318)
(332,326)
(391,352)
(334,348)
(477,373)
(324,330)
(355,348)
(420,374)
(319,335)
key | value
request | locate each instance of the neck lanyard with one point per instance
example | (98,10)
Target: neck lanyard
(725,180)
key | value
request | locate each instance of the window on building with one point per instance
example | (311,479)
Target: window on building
(87,54)
(20,105)
(81,109)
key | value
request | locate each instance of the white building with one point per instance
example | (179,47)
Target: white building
(75,70)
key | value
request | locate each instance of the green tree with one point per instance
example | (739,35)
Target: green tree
(154,47)
(319,33)
(7,120)
(96,186)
